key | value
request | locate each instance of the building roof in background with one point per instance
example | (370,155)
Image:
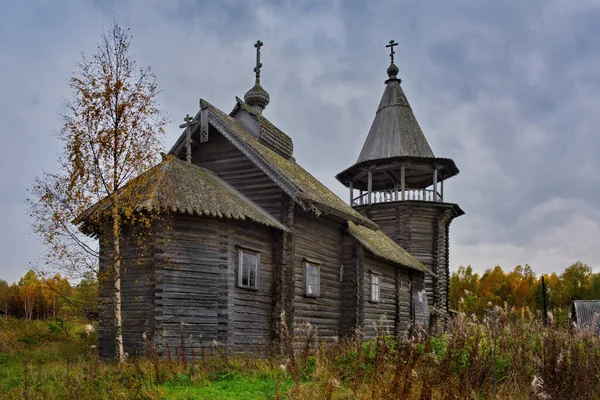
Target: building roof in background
(586,314)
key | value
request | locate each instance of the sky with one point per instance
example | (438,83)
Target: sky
(509,89)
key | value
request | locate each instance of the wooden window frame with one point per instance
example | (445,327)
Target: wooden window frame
(308,264)
(374,299)
(241,251)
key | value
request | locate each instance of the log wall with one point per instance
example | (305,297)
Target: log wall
(137,292)
(197,284)
(421,229)
(318,239)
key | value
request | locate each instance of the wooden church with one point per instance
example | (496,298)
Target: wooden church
(246,238)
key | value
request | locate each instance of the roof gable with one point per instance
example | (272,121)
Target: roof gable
(305,189)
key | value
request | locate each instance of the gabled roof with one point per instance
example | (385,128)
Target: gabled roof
(586,314)
(177,186)
(382,246)
(395,131)
(304,188)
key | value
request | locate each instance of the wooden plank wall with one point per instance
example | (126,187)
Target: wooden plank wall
(221,157)
(349,287)
(318,239)
(380,316)
(192,282)
(198,265)
(416,228)
(137,293)
(251,311)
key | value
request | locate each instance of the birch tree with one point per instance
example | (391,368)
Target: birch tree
(111,132)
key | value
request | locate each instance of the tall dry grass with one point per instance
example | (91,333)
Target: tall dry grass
(507,355)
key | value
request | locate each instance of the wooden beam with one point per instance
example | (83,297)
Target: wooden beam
(435,177)
(442,189)
(403,181)
(370,186)
(351,193)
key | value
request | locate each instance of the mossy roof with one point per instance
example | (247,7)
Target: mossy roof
(177,186)
(382,246)
(308,188)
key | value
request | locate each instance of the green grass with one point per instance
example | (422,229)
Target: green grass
(241,387)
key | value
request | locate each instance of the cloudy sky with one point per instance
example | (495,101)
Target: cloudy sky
(509,89)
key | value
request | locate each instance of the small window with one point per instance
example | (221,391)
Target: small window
(312,280)
(375,288)
(248,269)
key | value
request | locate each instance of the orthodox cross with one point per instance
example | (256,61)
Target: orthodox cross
(258,45)
(391,46)
(188,136)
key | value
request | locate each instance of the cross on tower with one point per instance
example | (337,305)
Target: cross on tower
(391,46)
(258,45)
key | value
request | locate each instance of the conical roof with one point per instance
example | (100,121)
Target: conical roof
(395,131)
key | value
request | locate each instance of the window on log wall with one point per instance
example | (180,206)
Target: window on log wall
(375,287)
(248,268)
(312,280)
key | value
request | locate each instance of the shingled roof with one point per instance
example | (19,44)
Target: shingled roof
(586,314)
(177,186)
(304,188)
(384,247)
(395,131)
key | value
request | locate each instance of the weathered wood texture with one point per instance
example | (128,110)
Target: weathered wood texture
(350,293)
(421,229)
(231,165)
(197,284)
(251,311)
(137,292)
(318,239)
(380,316)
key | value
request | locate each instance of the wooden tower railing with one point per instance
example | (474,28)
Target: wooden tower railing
(391,195)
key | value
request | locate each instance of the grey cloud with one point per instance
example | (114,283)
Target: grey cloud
(507,89)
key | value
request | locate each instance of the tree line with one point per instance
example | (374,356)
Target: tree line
(521,288)
(37,297)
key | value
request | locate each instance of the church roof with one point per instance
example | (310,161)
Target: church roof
(181,187)
(384,247)
(299,184)
(395,131)
(270,135)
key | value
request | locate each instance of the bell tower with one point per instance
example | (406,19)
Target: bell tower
(399,183)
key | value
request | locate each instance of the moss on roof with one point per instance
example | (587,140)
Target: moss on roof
(177,186)
(309,189)
(384,247)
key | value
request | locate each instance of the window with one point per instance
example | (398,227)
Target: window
(312,280)
(248,269)
(375,287)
